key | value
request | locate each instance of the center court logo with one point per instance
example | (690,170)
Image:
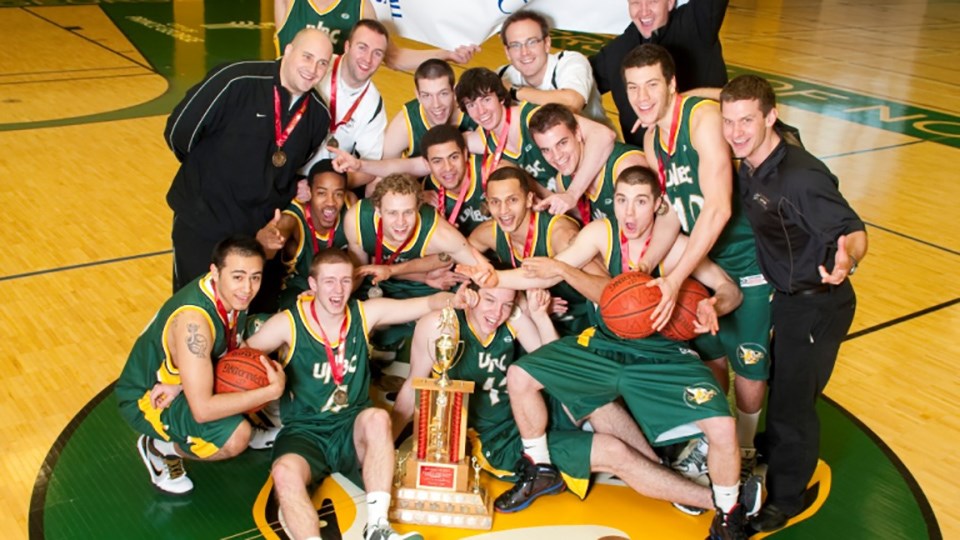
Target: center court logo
(698,394)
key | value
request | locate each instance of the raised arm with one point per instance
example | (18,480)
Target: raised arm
(598,141)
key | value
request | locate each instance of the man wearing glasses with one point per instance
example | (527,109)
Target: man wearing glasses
(536,75)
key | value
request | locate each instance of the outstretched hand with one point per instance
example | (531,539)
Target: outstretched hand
(842,263)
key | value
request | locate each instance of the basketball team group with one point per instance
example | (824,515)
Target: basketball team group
(309,227)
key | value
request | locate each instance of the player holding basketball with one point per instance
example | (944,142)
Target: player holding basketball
(667,388)
(176,352)
(492,331)
(329,423)
(686,146)
(802,223)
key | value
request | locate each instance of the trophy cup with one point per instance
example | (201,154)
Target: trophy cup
(435,487)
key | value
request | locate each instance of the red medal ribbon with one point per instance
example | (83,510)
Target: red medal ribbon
(228,323)
(313,231)
(491,165)
(281,135)
(527,244)
(464,187)
(671,144)
(333,98)
(336,362)
(625,252)
(379,249)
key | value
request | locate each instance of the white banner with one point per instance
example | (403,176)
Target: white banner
(450,23)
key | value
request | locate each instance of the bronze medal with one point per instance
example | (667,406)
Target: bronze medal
(375,292)
(332,142)
(444,257)
(279,158)
(340,396)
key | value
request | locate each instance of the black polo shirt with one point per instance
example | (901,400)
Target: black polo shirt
(692,35)
(797,213)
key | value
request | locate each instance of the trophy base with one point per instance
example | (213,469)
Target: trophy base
(442,508)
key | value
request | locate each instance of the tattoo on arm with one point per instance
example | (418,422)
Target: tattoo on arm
(197,343)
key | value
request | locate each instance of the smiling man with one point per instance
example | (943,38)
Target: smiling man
(240,137)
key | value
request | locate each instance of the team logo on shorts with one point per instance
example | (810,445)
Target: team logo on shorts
(751,353)
(697,395)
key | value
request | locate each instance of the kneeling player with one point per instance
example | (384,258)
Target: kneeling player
(176,351)
(329,424)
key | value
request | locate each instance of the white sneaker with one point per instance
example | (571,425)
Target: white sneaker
(383,531)
(166,472)
(692,461)
(262,437)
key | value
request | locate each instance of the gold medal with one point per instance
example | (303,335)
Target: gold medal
(332,142)
(662,209)
(279,158)
(340,396)
(444,257)
(375,292)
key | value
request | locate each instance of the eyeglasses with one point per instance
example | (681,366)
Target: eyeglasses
(530,43)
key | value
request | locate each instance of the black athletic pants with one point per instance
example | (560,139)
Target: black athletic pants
(191,253)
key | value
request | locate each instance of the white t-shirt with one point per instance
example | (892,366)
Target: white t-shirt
(570,70)
(363,133)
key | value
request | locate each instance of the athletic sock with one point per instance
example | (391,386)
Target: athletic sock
(537,449)
(378,503)
(747,427)
(165,448)
(725,497)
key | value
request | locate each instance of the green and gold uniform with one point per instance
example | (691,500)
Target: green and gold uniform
(744,335)
(418,125)
(336,21)
(150,363)
(314,427)
(529,157)
(298,268)
(600,194)
(493,433)
(663,383)
(470,215)
(575,319)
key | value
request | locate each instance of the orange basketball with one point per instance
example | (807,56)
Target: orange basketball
(240,370)
(626,305)
(681,325)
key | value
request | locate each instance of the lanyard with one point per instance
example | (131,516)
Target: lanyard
(313,231)
(491,165)
(281,136)
(527,243)
(671,144)
(379,249)
(230,323)
(333,98)
(442,207)
(336,362)
(625,251)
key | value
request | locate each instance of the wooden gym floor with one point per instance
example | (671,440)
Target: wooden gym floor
(84,93)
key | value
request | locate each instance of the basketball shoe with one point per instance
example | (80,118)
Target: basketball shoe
(383,531)
(692,462)
(262,437)
(533,481)
(166,472)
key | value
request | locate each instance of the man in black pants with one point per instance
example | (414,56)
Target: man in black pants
(240,136)
(691,33)
(808,241)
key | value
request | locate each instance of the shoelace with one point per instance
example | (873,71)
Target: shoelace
(175,466)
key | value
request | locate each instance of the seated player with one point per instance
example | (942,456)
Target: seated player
(304,229)
(517,232)
(504,133)
(491,337)
(176,353)
(434,106)
(666,387)
(329,422)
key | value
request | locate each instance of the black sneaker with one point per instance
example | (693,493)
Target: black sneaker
(729,526)
(532,482)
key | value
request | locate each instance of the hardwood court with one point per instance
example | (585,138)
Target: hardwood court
(873,87)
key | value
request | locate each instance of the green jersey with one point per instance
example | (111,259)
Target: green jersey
(735,250)
(599,196)
(528,157)
(337,21)
(367,223)
(470,214)
(418,125)
(150,361)
(309,394)
(309,243)
(485,362)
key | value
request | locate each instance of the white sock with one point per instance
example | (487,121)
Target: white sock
(537,449)
(165,448)
(725,497)
(378,503)
(747,427)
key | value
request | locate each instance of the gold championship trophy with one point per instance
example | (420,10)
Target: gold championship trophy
(434,484)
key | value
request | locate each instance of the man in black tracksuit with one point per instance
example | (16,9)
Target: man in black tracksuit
(808,241)
(238,160)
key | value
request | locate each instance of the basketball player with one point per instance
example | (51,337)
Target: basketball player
(492,330)
(176,352)
(337,17)
(686,145)
(517,232)
(435,105)
(303,229)
(329,423)
(666,387)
